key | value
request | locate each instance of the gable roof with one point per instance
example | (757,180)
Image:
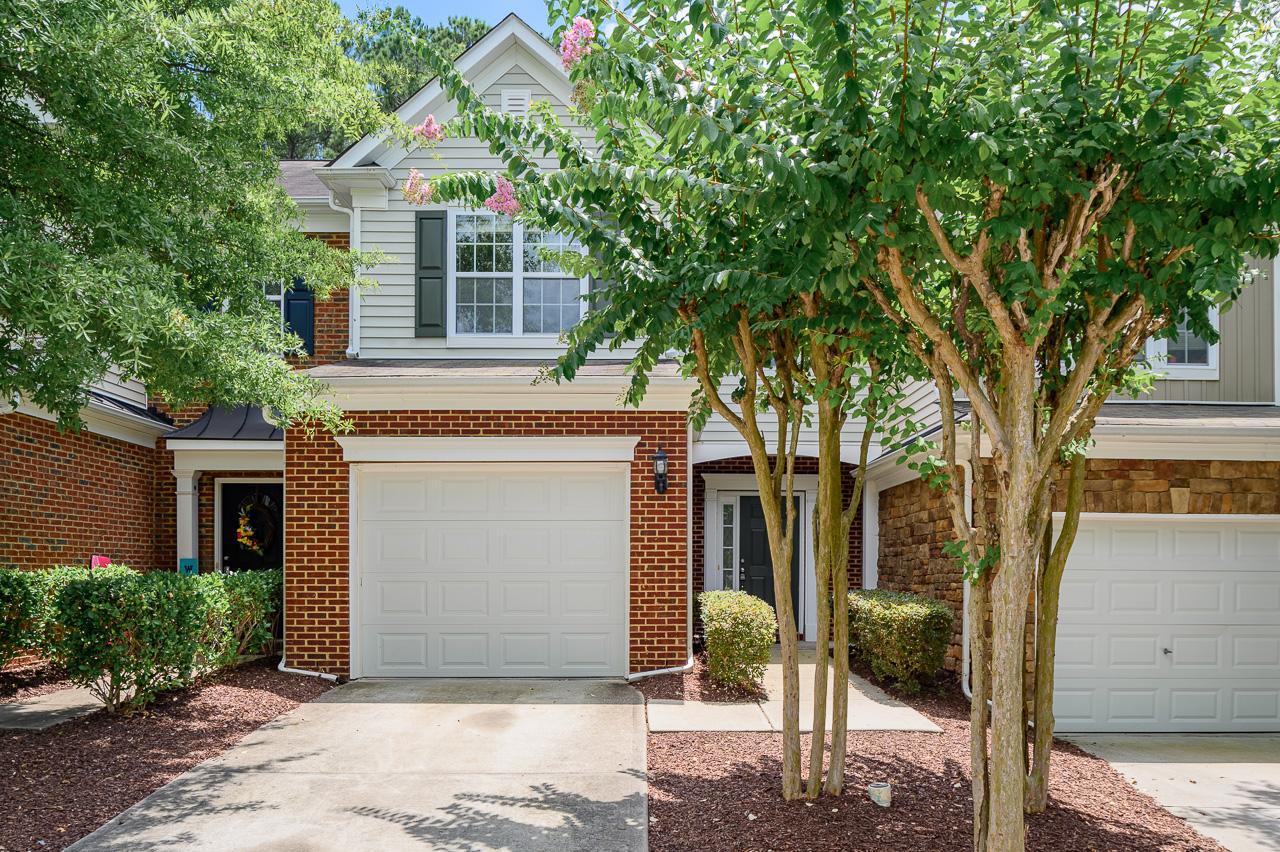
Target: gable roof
(510,31)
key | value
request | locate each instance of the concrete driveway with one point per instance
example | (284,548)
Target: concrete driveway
(468,765)
(1226,786)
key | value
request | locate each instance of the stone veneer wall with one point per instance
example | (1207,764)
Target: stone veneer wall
(915,522)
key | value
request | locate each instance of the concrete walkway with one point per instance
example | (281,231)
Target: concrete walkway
(45,711)
(469,765)
(1225,785)
(870,709)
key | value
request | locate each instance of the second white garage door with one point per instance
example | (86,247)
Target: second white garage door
(1170,623)
(491,570)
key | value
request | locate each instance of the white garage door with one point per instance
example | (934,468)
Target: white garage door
(491,570)
(1170,624)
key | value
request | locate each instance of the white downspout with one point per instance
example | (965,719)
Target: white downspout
(322,675)
(353,292)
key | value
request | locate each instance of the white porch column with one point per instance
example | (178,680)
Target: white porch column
(188,513)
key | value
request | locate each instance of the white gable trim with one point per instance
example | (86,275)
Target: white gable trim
(511,31)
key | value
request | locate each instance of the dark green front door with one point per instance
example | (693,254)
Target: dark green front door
(755,566)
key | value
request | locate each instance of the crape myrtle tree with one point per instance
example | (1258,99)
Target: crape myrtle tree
(707,255)
(141,216)
(1056,184)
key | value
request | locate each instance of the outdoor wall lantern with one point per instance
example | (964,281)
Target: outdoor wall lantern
(660,471)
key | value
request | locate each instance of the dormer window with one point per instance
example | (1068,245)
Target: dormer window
(502,284)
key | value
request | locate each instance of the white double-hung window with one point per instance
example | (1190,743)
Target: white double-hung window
(1187,355)
(502,285)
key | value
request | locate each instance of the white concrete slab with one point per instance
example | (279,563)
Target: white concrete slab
(870,709)
(667,715)
(477,765)
(45,711)
(1225,785)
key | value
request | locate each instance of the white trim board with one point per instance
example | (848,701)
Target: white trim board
(107,422)
(500,394)
(359,448)
(240,458)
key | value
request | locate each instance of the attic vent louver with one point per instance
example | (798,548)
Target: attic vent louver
(515,102)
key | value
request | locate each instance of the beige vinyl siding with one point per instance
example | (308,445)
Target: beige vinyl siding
(131,390)
(387,311)
(1246,359)
(920,396)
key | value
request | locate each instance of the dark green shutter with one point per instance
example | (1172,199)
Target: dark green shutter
(429,294)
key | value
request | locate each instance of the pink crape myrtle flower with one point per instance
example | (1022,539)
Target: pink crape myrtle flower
(416,190)
(576,42)
(503,199)
(429,130)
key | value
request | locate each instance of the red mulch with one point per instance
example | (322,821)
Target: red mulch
(694,685)
(59,784)
(18,683)
(713,791)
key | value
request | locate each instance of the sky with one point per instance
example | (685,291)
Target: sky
(437,11)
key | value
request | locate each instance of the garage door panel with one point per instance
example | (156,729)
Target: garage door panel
(1169,624)
(501,581)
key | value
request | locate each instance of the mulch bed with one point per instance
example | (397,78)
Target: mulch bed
(18,683)
(60,784)
(712,791)
(694,685)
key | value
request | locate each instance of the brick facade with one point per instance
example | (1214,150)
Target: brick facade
(67,496)
(915,522)
(742,464)
(331,314)
(316,538)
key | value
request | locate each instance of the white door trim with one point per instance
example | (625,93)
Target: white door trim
(217,509)
(355,658)
(730,486)
(586,448)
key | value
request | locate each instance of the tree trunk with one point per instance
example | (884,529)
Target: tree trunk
(822,571)
(779,522)
(1037,792)
(979,711)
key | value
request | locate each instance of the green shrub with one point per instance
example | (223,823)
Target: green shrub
(255,599)
(27,607)
(128,637)
(903,637)
(740,629)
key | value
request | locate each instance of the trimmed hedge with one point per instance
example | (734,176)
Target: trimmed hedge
(27,606)
(902,636)
(129,637)
(740,630)
(255,599)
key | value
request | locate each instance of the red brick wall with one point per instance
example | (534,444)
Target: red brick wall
(331,314)
(67,496)
(316,509)
(742,464)
(915,523)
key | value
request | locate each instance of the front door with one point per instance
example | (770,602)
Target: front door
(755,566)
(252,526)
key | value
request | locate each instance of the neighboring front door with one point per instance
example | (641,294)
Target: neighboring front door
(252,526)
(755,566)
